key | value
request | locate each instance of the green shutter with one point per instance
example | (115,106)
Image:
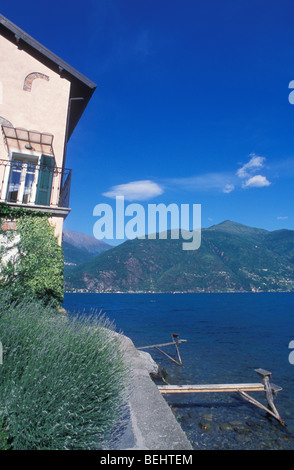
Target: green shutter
(45,180)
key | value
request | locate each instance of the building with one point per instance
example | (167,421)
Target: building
(42,99)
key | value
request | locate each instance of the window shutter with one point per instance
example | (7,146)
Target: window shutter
(45,180)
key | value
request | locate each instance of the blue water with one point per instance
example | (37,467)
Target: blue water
(228,336)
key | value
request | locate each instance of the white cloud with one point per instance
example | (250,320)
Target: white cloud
(257,181)
(228,188)
(222,181)
(206,182)
(248,170)
(255,163)
(282,217)
(226,182)
(135,190)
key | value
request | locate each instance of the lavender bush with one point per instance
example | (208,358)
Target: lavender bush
(63,381)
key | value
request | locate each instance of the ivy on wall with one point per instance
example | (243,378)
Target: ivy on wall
(36,270)
(10,212)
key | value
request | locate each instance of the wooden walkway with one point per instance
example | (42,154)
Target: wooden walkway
(212,388)
(265,386)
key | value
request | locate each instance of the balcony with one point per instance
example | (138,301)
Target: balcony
(41,186)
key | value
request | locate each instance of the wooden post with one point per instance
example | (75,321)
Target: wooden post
(175,341)
(167,355)
(269,389)
(175,338)
(259,405)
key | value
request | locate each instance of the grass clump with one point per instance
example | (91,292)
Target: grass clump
(62,381)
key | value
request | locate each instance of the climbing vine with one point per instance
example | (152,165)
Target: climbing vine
(32,261)
(9,212)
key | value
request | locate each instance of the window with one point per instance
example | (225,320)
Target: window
(30,182)
(22,182)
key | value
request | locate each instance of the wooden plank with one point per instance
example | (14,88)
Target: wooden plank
(167,355)
(210,388)
(259,405)
(275,388)
(164,344)
(263,373)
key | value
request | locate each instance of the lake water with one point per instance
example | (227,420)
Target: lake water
(228,336)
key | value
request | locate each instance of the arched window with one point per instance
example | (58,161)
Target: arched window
(28,81)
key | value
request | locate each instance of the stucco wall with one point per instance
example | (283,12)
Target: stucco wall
(43,108)
(35,98)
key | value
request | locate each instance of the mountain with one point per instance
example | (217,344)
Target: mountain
(239,229)
(79,247)
(232,258)
(84,242)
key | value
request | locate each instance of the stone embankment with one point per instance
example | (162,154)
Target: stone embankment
(149,423)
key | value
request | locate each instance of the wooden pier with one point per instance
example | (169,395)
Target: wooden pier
(175,342)
(265,386)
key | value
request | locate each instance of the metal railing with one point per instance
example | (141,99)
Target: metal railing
(25,182)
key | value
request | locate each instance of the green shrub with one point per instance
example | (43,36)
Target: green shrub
(37,271)
(63,381)
(4,435)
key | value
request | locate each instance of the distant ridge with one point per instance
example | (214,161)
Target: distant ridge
(232,258)
(79,247)
(239,229)
(85,242)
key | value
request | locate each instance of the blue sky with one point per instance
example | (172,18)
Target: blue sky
(192,104)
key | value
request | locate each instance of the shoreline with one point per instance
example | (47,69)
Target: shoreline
(148,423)
(176,292)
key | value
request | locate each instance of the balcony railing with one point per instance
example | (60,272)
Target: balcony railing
(27,183)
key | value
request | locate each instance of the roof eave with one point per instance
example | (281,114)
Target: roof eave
(21,37)
(81,86)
